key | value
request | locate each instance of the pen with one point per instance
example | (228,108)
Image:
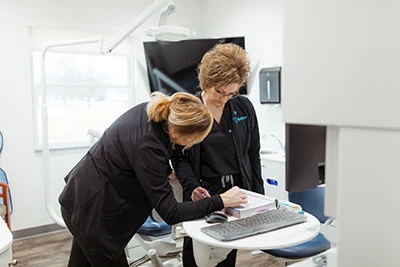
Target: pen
(204,195)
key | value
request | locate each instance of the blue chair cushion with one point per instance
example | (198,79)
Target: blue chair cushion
(313,247)
(311,201)
(154,228)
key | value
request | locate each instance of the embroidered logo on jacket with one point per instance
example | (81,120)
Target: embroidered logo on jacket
(238,119)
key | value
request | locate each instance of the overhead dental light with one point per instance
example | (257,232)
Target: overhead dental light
(166,32)
(170,33)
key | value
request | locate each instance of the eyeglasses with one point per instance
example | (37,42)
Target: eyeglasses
(221,93)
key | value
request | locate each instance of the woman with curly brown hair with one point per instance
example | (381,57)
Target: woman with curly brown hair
(114,187)
(229,155)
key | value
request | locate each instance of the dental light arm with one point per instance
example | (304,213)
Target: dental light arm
(110,45)
(165,12)
(166,6)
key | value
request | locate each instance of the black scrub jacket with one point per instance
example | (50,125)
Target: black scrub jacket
(246,140)
(113,188)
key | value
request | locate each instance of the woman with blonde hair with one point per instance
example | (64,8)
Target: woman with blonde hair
(112,190)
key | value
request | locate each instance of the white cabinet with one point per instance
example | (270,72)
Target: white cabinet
(273,174)
(5,257)
(5,244)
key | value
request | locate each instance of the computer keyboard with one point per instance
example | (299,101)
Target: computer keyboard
(253,225)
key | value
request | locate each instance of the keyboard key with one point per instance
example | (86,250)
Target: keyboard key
(253,225)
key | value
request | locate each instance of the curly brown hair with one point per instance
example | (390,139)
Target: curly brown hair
(224,64)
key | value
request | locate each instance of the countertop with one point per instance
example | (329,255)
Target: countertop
(276,156)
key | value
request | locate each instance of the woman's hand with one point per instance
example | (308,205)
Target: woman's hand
(234,197)
(200,193)
(172,176)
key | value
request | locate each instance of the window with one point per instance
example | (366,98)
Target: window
(83,91)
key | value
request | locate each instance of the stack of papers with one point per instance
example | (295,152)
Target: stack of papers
(283,204)
(256,203)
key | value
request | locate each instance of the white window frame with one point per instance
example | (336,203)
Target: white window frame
(38,145)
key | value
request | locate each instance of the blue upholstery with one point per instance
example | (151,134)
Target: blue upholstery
(311,201)
(313,247)
(154,228)
(3,179)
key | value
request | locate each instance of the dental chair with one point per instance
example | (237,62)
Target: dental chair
(161,250)
(6,206)
(161,242)
(311,201)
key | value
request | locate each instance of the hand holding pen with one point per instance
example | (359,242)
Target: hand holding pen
(200,193)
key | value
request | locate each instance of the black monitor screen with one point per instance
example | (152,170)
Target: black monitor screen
(172,66)
(305,156)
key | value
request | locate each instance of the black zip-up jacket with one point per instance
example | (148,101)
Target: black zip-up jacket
(246,138)
(113,188)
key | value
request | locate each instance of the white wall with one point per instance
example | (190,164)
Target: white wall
(22,165)
(18,158)
(354,58)
(346,77)
(260,21)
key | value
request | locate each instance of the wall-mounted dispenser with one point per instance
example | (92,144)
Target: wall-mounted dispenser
(270,85)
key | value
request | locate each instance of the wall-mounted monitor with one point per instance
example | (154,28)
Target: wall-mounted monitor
(305,156)
(172,66)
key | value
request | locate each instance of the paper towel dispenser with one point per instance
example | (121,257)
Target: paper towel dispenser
(270,85)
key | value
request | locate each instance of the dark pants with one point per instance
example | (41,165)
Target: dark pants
(83,256)
(214,186)
(188,255)
(78,258)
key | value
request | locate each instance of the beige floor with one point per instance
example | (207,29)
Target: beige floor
(52,250)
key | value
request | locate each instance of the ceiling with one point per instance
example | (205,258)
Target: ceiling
(114,13)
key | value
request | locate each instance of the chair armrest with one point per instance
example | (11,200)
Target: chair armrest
(328,229)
